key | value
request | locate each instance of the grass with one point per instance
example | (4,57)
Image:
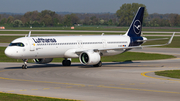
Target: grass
(18,97)
(98,28)
(117,58)
(78,33)
(49,32)
(128,56)
(169,73)
(135,56)
(7,39)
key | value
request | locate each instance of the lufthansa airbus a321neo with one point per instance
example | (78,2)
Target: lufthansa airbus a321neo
(88,49)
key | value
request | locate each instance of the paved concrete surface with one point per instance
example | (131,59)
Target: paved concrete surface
(131,81)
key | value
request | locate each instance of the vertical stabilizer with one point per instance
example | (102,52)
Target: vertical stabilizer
(136,25)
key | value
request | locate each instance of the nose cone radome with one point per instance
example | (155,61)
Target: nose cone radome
(8,52)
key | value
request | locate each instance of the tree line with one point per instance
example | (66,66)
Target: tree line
(122,17)
(50,18)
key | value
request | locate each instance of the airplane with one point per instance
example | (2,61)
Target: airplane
(88,49)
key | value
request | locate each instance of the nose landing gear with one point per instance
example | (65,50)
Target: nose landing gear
(24,66)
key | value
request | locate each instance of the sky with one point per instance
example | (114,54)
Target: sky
(87,6)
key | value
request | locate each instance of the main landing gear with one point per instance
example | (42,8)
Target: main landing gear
(24,66)
(98,65)
(66,62)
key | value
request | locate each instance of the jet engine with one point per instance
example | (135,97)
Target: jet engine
(43,61)
(89,58)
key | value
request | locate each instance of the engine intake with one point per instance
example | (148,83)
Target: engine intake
(89,58)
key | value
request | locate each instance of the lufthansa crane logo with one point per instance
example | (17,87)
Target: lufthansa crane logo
(137,26)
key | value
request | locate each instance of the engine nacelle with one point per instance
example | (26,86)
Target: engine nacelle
(89,58)
(43,61)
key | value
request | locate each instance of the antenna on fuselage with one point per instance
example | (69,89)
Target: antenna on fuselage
(102,34)
(29,35)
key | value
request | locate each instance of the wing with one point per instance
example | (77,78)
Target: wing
(151,39)
(131,47)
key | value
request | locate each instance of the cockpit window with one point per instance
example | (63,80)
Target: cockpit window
(16,44)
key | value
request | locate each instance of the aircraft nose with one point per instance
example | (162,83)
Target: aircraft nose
(8,52)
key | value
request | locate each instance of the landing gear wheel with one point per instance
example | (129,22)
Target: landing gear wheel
(98,65)
(66,63)
(24,66)
(63,62)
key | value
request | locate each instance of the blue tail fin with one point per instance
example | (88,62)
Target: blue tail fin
(136,25)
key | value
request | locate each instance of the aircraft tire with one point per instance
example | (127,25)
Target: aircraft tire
(24,66)
(98,65)
(66,63)
(63,62)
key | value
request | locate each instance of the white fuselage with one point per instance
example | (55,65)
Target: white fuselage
(65,46)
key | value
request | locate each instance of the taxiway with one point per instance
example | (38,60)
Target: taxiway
(118,81)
